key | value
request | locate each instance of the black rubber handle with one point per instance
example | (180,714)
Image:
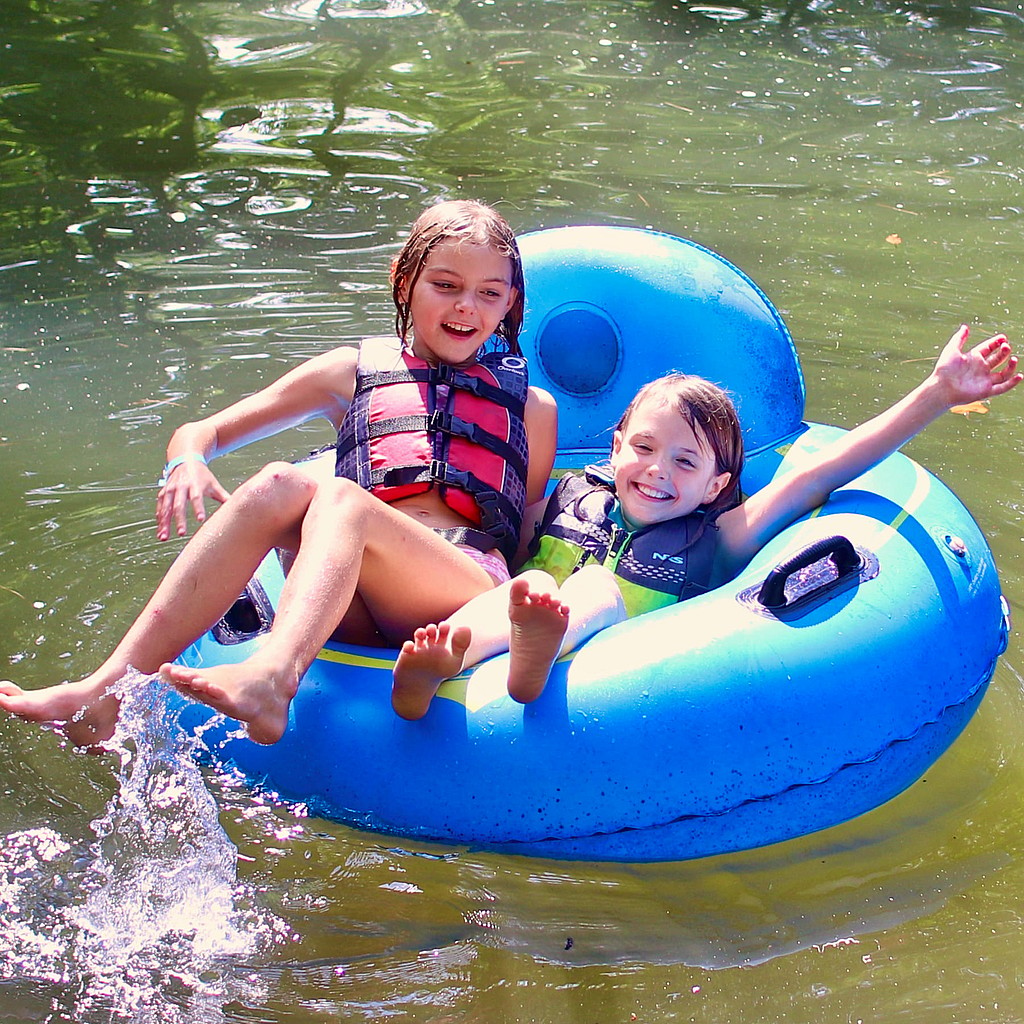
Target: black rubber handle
(840,549)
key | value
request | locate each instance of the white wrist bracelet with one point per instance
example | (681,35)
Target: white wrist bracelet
(177,461)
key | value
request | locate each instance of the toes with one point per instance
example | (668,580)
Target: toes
(461,639)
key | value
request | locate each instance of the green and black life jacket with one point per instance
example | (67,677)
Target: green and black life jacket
(654,567)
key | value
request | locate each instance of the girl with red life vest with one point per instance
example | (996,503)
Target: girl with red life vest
(666,522)
(441,445)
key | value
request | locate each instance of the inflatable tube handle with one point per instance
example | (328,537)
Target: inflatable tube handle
(840,549)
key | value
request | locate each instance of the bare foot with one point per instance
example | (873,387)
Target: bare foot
(249,692)
(84,711)
(538,624)
(434,654)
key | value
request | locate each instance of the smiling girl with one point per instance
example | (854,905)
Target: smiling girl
(441,444)
(665,522)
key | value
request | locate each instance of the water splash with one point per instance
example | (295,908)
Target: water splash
(148,921)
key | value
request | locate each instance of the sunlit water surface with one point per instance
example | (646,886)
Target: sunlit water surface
(193,197)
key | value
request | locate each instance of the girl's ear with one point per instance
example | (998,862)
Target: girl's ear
(616,443)
(716,486)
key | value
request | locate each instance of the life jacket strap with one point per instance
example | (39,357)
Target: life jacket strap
(440,421)
(443,374)
(468,536)
(495,508)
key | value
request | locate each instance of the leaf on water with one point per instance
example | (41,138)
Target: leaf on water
(401,887)
(966,410)
(894,239)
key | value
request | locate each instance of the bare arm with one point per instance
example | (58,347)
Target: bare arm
(322,386)
(959,377)
(531,520)
(541,419)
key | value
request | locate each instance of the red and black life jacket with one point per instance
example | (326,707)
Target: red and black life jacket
(413,426)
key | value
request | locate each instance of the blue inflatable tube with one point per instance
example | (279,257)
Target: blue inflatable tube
(820,683)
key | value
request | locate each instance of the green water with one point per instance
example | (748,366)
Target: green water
(195,196)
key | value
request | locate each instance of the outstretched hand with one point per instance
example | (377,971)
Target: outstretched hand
(987,370)
(189,484)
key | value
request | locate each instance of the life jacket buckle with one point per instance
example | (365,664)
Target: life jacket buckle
(443,473)
(440,420)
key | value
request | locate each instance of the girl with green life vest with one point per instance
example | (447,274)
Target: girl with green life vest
(664,521)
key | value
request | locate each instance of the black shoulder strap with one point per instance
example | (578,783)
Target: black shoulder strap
(442,374)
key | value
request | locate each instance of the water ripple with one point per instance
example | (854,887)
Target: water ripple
(309,10)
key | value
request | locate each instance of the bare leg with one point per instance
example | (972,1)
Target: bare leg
(595,603)
(352,543)
(200,586)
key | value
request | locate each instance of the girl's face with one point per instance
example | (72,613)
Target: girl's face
(662,467)
(459,299)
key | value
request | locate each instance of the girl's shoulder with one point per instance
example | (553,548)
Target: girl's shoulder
(324,383)
(540,414)
(592,483)
(335,368)
(541,403)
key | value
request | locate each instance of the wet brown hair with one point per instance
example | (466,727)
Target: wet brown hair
(711,415)
(462,220)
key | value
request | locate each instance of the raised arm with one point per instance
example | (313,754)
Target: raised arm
(321,386)
(959,377)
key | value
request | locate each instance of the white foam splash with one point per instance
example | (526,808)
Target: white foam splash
(148,922)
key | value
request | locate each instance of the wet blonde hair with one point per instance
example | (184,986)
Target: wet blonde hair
(709,411)
(463,220)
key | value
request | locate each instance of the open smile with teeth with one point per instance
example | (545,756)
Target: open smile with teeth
(461,329)
(652,492)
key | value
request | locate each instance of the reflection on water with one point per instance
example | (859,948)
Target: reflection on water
(196,196)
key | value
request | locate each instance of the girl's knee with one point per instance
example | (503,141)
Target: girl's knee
(342,497)
(593,589)
(285,474)
(340,489)
(595,575)
(276,474)
(539,581)
(595,579)
(278,488)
